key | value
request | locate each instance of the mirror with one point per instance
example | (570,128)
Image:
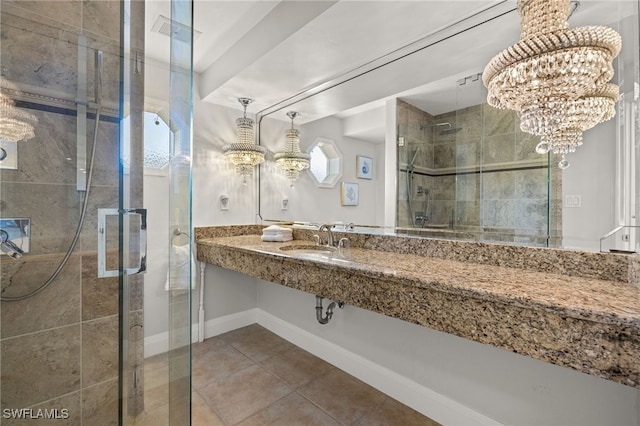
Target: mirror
(468,176)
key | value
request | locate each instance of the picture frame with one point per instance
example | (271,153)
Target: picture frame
(349,194)
(364,167)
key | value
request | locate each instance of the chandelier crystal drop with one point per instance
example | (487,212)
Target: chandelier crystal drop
(244,154)
(15,124)
(292,161)
(555,77)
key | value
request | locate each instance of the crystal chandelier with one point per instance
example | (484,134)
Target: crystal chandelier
(292,161)
(15,124)
(555,77)
(580,115)
(244,154)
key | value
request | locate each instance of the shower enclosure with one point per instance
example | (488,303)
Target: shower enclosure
(469,173)
(72,217)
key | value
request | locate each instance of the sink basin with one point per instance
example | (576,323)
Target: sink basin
(308,248)
(315,252)
(321,256)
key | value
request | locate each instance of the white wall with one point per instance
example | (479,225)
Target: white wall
(509,388)
(591,175)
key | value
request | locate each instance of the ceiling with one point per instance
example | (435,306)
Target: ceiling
(274,50)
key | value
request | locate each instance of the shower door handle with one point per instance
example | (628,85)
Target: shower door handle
(141,267)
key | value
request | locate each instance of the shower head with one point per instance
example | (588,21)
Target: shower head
(446,123)
(450,131)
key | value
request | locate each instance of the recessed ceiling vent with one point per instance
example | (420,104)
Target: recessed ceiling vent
(165,26)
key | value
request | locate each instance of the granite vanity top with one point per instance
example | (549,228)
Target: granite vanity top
(569,316)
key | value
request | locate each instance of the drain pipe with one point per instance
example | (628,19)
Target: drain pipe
(324,320)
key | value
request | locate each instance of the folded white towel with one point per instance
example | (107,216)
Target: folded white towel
(278,237)
(275,229)
(278,233)
(178,275)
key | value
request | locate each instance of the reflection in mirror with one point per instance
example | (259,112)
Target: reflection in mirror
(448,165)
(326,163)
(316,198)
(470,173)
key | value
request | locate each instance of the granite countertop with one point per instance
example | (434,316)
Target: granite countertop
(588,324)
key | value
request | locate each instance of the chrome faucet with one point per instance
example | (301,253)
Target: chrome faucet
(7,246)
(326,227)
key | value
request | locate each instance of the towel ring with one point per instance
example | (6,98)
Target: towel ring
(176,233)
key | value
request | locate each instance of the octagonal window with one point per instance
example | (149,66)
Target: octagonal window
(326,163)
(157,136)
(157,143)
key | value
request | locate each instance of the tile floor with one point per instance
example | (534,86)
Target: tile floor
(251,376)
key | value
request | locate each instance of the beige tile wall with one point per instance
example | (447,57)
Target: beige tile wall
(510,205)
(59,349)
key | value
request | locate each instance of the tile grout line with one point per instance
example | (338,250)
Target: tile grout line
(79,322)
(212,409)
(317,406)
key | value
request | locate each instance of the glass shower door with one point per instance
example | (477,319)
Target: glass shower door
(175,377)
(180,111)
(131,217)
(71,177)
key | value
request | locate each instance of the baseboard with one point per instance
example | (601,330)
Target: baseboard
(432,404)
(226,323)
(159,343)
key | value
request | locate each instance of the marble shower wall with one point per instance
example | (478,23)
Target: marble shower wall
(59,349)
(482,178)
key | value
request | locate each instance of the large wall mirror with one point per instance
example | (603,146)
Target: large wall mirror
(445,164)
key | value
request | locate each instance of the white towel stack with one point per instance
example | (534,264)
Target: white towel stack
(178,277)
(277,233)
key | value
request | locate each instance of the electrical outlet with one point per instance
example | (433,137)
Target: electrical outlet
(573,201)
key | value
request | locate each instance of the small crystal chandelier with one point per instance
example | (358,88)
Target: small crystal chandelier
(15,125)
(292,161)
(244,154)
(555,77)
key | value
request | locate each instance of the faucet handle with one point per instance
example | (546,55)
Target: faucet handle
(8,247)
(342,244)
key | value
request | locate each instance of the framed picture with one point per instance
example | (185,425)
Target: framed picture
(349,194)
(364,167)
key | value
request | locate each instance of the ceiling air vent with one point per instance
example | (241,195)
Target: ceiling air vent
(165,26)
